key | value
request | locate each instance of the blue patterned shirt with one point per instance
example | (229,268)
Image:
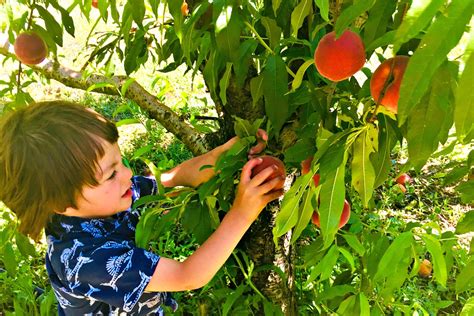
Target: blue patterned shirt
(95,268)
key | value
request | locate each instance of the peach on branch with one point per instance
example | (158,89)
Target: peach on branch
(345,215)
(425,269)
(388,75)
(279,171)
(339,59)
(403,179)
(30,48)
(306,167)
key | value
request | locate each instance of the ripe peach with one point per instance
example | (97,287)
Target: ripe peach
(338,59)
(425,269)
(345,215)
(382,74)
(30,48)
(306,167)
(403,179)
(279,172)
(184,8)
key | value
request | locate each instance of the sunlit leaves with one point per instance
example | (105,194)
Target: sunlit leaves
(418,16)
(298,15)
(439,39)
(275,86)
(464,110)
(432,118)
(363,173)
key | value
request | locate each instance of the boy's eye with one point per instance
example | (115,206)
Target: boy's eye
(112,175)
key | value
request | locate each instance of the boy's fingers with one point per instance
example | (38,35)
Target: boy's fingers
(247,169)
(262,134)
(263,175)
(273,195)
(272,184)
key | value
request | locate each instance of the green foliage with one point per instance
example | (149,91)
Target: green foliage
(23,281)
(265,49)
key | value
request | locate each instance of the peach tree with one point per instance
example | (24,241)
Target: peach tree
(308,73)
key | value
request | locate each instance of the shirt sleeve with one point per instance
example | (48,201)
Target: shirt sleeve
(114,273)
(142,186)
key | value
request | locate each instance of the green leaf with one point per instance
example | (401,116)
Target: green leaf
(381,159)
(466,191)
(468,308)
(418,16)
(332,191)
(351,13)
(256,88)
(53,27)
(439,264)
(440,38)
(383,40)
(273,31)
(354,243)
(276,5)
(392,256)
(230,300)
(300,73)
(287,218)
(127,122)
(333,292)
(379,17)
(228,27)
(464,109)
(465,279)
(349,257)
(466,223)
(347,306)
(224,83)
(364,304)
(324,267)
(363,174)
(9,259)
(306,210)
(298,15)
(275,88)
(24,245)
(323,6)
(431,119)
(125,86)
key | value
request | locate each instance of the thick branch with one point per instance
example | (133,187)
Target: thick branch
(192,139)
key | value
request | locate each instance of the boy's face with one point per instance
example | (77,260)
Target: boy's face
(112,195)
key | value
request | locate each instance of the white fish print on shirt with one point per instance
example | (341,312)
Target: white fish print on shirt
(91,291)
(116,267)
(112,245)
(75,272)
(69,253)
(130,299)
(91,227)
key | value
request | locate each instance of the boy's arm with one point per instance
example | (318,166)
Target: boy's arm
(199,268)
(189,174)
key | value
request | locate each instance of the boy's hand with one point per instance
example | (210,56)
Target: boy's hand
(262,138)
(253,194)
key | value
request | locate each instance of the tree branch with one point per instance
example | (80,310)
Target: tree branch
(186,133)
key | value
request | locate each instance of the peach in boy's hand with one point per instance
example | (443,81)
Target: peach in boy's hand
(254,193)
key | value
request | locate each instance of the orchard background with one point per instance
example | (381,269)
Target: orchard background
(178,81)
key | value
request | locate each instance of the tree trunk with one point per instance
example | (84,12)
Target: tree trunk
(258,242)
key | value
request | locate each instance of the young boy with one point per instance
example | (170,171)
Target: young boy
(61,169)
